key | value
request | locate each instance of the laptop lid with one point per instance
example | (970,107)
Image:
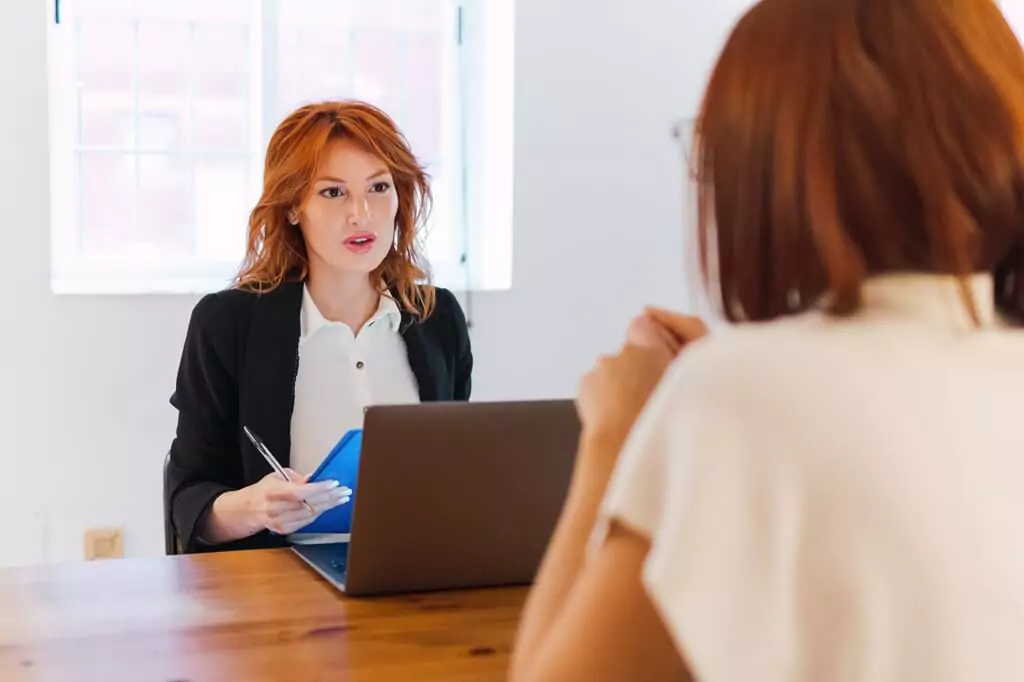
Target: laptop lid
(458,495)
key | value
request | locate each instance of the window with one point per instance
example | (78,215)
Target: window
(161,111)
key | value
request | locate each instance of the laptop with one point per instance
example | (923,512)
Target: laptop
(452,496)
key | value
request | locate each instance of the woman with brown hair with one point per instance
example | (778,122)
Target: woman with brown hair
(834,492)
(330,312)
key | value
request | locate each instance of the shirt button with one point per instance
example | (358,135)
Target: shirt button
(360,365)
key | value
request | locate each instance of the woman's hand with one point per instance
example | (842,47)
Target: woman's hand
(286,506)
(664,330)
(614,392)
(273,504)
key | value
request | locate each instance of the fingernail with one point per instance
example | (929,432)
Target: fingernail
(332,484)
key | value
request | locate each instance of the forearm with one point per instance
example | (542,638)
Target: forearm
(231,518)
(567,552)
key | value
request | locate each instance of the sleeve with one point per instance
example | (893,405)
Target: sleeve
(721,518)
(463,349)
(203,458)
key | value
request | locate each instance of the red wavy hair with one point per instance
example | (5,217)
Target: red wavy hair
(840,140)
(276,251)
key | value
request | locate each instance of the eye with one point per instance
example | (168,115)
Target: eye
(331,192)
(380,187)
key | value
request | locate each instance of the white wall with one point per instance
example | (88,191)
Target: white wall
(598,233)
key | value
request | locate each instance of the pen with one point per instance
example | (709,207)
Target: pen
(261,448)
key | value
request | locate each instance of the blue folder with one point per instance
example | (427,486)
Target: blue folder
(341,465)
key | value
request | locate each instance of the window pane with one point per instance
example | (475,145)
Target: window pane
(163,122)
(379,79)
(374,14)
(221,67)
(107,201)
(364,14)
(195,10)
(165,203)
(221,60)
(164,85)
(222,124)
(442,238)
(314,64)
(222,207)
(104,8)
(387,52)
(423,93)
(163,50)
(423,15)
(314,13)
(107,118)
(106,52)
(105,83)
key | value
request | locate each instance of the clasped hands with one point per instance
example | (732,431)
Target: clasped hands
(613,393)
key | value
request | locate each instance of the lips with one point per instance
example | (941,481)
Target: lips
(360,243)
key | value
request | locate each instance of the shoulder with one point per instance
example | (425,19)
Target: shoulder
(234,307)
(714,482)
(228,301)
(221,310)
(723,416)
(447,311)
(766,375)
(223,318)
(446,303)
(446,322)
(730,356)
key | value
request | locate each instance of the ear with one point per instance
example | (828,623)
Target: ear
(293,217)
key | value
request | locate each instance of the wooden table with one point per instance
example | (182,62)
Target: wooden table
(245,616)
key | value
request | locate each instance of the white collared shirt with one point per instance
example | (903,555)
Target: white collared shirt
(340,373)
(839,498)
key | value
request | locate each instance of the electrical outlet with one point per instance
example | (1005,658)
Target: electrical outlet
(104,543)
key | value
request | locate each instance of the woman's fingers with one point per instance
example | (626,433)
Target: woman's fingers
(319,503)
(297,492)
(331,499)
(291,520)
(685,328)
(645,332)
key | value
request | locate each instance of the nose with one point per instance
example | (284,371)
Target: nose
(360,215)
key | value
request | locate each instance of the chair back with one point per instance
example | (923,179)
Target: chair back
(171,544)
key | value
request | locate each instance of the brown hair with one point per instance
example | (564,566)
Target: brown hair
(840,139)
(276,251)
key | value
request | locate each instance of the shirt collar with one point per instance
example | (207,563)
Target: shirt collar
(312,320)
(933,298)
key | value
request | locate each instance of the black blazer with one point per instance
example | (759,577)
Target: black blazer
(238,367)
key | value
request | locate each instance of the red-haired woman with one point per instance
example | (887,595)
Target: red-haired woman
(833,489)
(330,312)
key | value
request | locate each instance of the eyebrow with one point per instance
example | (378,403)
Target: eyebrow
(331,178)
